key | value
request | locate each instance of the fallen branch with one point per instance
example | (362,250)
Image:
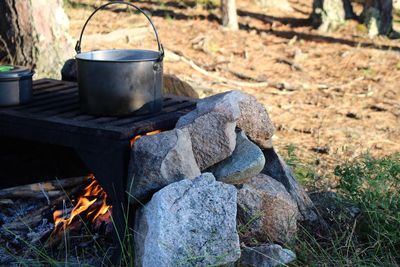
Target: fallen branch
(244,76)
(191,63)
(213,66)
(215,76)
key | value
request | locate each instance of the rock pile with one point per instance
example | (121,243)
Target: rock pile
(215,173)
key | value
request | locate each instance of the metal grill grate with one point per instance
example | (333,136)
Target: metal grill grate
(103,143)
(58,102)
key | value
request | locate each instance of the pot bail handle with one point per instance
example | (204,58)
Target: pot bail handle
(160,46)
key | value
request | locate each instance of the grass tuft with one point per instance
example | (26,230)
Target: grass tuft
(371,238)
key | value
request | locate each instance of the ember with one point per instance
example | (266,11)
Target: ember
(133,140)
(91,204)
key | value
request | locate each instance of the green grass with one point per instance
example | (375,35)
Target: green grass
(65,255)
(304,172)
(373,237)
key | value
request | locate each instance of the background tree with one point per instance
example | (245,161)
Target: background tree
(328,15)
(229,14)
(34,33)
(378,17)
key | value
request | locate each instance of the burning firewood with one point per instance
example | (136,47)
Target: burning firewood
(90,211)
(34,217)
(81,210)
(52,189)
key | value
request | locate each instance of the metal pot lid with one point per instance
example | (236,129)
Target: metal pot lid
(9,71)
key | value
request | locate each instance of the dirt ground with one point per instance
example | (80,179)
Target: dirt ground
(333,96)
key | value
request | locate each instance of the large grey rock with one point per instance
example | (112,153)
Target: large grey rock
(266,256)
(246,161)
(213,138)
(188,223)
(268,210)
(250,115)
(158,160)
(276,167)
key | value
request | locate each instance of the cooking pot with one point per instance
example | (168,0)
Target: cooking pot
(15,85)
(120,81)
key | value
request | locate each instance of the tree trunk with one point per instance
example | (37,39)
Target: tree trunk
(34,33)
(328,15)
(377,16)
(348,9)
(229,14)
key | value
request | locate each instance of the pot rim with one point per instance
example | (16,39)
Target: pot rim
(16,73)
(156,56)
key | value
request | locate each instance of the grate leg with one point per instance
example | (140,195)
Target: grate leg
(110,169)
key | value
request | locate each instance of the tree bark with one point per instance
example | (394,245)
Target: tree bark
(34,33)
(377,16)
(328,15)
(229,14)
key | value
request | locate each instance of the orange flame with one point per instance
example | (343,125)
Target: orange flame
(133,140)
(91,194)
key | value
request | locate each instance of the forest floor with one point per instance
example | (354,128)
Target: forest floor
(332,96)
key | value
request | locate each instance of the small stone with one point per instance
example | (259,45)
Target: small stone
(213,138)
(276,168)
(250,115)
(266,256)
(188,223)
(353,115)
(268,210)
(69,71)
(158,160)
(246,161)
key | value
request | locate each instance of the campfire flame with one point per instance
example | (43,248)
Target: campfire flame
(133,140)
(91,204)
(93,194)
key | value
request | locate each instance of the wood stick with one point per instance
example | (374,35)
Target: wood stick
(6,202)
(31,194)
(244,76)
(53,188)
(291,64)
